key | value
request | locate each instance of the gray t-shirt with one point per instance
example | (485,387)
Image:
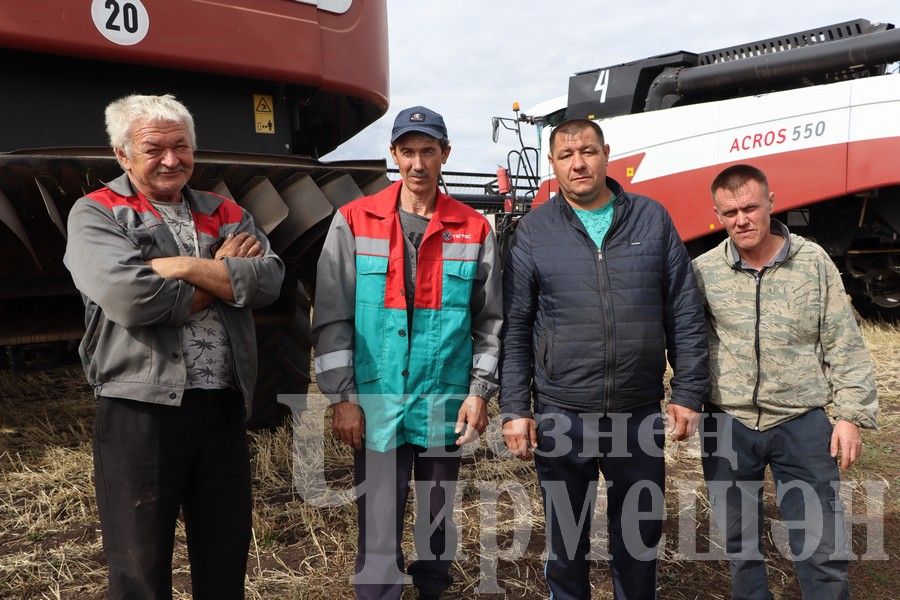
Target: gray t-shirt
(414,227)
(204,339)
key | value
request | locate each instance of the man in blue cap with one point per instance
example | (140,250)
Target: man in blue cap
(406,329)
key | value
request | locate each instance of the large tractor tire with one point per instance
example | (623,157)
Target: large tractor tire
(284,351)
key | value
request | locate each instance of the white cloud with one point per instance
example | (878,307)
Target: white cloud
(470,59)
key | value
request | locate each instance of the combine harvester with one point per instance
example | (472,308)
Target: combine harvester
(272,84)
(817,110)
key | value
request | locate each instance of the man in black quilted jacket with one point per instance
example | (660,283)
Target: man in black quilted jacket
(598,292)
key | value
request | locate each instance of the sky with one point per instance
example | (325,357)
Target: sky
(470,59)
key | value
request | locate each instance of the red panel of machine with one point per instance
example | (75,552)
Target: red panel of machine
(276,40)
(798,179)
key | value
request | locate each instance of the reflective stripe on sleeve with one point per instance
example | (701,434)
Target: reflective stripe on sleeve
(485,362)
(335,360)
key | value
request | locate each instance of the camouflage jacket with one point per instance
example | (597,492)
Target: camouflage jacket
(783,340)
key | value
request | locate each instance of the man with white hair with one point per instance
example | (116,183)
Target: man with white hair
(168,276)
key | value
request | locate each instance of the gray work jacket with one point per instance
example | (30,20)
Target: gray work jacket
(133,317)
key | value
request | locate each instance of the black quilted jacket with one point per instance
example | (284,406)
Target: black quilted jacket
(588,329)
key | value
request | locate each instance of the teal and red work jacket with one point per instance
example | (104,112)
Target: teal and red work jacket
(410,376)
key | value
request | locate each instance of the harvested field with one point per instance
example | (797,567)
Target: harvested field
(50,543)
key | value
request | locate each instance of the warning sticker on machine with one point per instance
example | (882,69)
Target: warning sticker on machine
(263,113)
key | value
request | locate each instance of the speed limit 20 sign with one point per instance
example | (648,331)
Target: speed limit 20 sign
(123,22)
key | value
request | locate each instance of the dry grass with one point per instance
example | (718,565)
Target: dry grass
(49,534)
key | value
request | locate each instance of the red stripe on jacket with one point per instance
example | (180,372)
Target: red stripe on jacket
(110,199)
(227,213)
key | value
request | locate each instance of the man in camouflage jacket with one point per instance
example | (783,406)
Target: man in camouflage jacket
(783,343)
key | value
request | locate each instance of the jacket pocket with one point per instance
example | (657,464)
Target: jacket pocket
(457,283)
(371,349)
(371,275)
(366,373)
(454,375)
(128,357)
(545,352)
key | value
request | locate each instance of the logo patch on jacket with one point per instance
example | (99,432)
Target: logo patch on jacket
(447,236)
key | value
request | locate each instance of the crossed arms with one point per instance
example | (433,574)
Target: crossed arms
(108,266)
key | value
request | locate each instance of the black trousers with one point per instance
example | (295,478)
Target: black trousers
(384,480)
(150,461)
(573,449)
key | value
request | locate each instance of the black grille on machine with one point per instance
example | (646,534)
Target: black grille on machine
(782,43)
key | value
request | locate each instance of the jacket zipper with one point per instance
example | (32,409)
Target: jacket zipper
(758,275)
(756,345)
(606,307)
(606,301)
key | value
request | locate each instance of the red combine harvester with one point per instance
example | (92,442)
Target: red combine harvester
(817,110)
(272,84)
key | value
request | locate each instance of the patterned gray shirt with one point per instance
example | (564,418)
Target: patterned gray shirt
(204,340)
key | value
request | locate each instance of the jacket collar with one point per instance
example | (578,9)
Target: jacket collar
(200,203)
(733,257)
(618,199)
(384,205)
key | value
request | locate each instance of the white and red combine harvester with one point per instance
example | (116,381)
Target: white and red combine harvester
(817,110)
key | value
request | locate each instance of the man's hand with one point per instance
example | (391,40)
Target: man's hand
(172,267)
(242,245)
(520,436)
(348,423)
(846,442)
(681,422)
(471,420)
(202,300)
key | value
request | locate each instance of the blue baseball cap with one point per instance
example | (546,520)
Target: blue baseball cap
(419,119)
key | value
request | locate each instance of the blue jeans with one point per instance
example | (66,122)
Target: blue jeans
(573,449)
(806,479)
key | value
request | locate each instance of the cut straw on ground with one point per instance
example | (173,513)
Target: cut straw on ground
(50,538)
